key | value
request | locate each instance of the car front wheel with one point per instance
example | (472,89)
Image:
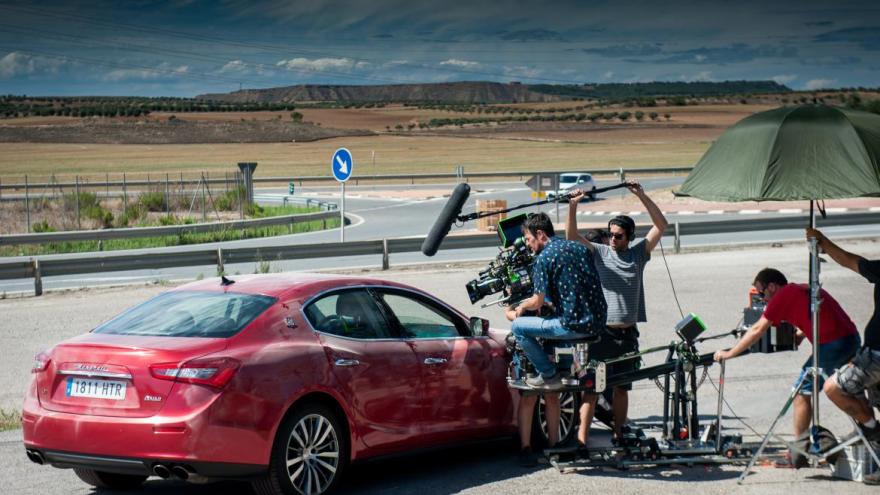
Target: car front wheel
(310,452)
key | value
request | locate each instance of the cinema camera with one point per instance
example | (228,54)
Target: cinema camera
(778,338)
(510,271)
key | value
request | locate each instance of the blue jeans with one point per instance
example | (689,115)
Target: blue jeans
(832,355)
(527,329)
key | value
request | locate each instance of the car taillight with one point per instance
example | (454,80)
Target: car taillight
(41,362)
(214,372)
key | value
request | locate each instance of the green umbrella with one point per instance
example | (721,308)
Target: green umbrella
(807,152)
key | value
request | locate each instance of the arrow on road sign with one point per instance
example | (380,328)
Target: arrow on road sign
(549,182)
(343,165)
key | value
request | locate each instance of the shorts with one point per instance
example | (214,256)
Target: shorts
(616,342)
(863,372)
(832,355)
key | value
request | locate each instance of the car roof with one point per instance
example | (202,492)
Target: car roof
(574,174)
(287,286)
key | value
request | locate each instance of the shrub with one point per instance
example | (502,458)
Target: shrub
(42,226)
(152,201)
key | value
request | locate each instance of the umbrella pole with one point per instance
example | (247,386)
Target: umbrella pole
(815,301)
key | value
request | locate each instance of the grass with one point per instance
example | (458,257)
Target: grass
(165,241)
(394,155)
(9,420)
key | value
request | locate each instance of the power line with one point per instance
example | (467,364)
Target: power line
(285,50)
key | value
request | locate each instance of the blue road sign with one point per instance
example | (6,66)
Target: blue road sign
(342,164)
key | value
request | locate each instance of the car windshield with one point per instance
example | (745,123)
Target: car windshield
(190,314)
(567,179)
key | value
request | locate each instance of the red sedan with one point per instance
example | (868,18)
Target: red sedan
(279,379)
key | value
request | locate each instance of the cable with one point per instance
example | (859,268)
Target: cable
(671,283)
(732,412)
(285,50)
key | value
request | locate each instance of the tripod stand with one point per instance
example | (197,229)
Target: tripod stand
(815,453)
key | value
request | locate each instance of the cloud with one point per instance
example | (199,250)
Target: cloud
(784,79)
(627,50)
(703,76)
(608,75)
(820,84)
(819,24)
(162,70)
(323,64)
(830,61)
(454,62)
(532,35)
(866,37)
(16,64)
(239,67)
(517,72)
(732,54)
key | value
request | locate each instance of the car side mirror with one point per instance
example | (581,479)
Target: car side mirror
(479,326)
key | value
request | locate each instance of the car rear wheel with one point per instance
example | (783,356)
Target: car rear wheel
(309,455)
(116,481)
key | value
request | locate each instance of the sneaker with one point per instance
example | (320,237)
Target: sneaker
(872,434)
(527,458)
(539,382)
(872,479)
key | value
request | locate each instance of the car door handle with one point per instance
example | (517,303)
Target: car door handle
(435,360)
(347,362)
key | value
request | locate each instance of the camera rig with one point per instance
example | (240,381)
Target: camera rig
(681,439)
(510,271)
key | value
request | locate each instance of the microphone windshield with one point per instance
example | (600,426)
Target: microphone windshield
(446,219)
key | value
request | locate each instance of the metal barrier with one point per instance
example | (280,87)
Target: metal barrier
(454,176)
(105,262)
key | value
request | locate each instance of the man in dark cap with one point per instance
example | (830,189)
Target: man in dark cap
(621,265)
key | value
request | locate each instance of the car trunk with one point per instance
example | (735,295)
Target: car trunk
(109,375)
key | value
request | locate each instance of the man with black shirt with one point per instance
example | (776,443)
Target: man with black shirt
(847,387)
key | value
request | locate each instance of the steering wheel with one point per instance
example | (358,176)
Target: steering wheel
(332,323)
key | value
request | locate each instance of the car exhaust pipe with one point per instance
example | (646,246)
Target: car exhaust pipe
(162,471)
(35,457)
(182,472)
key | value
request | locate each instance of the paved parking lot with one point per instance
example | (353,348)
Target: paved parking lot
(713,284)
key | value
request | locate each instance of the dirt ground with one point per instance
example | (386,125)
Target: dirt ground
(393,155)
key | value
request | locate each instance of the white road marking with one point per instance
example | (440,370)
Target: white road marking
(685,212)
(715,212)
(790,210)
(749,212)
(836,210)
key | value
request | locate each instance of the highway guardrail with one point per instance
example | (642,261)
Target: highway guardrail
(52,265)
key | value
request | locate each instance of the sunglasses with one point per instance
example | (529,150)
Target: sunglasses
(617,236)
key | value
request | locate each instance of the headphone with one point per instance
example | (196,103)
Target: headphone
(624,222)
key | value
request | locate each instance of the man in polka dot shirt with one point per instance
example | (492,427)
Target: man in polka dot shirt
(564,273)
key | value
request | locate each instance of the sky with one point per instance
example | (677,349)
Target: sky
(187,47)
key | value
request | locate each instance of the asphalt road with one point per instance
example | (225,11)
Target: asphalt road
(712,284)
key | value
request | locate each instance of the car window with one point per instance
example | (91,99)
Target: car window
(190,314)
(567,179)
(350,313)
(421,320)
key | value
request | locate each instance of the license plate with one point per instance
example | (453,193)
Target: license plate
(96,389)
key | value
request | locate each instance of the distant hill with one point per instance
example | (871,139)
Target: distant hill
(491,92)
(617,91)
(458,92)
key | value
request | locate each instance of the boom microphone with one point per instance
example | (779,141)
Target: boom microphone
(447,217)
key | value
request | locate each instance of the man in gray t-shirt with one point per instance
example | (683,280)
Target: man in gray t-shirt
(621,265)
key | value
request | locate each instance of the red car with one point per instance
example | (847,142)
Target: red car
(278,379)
